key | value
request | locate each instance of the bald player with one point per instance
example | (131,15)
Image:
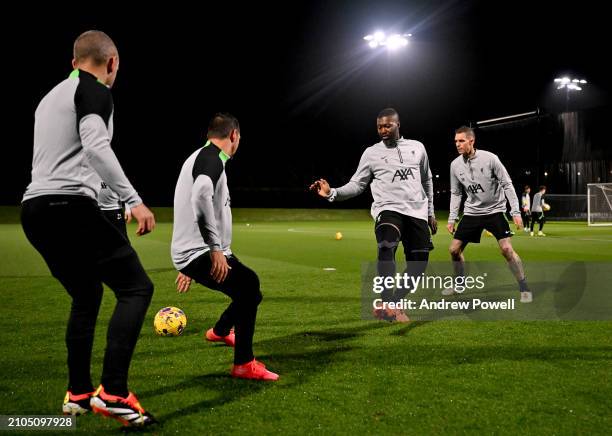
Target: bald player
(72,134)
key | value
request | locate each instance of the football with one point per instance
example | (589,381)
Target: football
(546,206)
(170,321)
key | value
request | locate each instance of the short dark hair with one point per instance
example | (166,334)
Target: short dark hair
(468,131)
(221,125)
(527,187)
(388,112)
(542,187)
(94,45)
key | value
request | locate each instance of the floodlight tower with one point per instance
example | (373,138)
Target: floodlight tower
(570,85)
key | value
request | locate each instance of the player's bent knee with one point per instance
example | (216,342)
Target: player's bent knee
(249,297)
(144,289)
(251,280)
(250,292)
(388,237)
(387,233)
(507,252)
(455,252)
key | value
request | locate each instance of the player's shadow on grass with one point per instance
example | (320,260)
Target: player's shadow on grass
(304,354)
(225,388)
(311,352)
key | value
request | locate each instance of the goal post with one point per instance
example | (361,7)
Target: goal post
(599,204)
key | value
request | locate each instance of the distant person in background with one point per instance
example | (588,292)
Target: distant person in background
(116,211)
(537,211)
(526,207)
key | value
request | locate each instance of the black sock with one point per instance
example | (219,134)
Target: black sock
(523,285)
(118,393)
(79,390)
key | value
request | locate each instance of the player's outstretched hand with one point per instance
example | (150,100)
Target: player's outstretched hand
(433,224)
(518,221)
(220,268)
(451,228)
(145,219)
(321,187)
(182,283)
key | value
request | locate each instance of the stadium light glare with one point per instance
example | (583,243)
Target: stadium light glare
(391,42)
(569,84)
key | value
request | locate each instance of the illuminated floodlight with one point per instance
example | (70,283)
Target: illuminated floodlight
(569,84)
(391,42)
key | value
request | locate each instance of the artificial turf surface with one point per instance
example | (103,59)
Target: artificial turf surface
(339,374)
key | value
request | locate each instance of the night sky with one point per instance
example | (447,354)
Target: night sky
(301,80)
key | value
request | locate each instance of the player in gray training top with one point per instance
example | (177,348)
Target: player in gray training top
(201,238)
(73,128)
(398,173)
(526,207)
(537,213)
(484,179)
(115,210)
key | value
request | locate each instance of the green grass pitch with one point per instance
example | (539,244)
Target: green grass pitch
(339,373)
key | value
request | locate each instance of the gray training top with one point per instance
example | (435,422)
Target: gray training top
(538,201)
(73,128)
(400,176)
(525,201)
(485,181)
(109,199)
(202,212)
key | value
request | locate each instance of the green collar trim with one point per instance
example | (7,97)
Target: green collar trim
(224,157)
(75,74)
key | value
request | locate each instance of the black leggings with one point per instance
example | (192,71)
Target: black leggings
(391,228)
(539,218)
(117,219)
(526,218)
(83,250)
(242,286)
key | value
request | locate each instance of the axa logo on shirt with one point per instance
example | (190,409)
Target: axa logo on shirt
(475,188)
(403,174)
